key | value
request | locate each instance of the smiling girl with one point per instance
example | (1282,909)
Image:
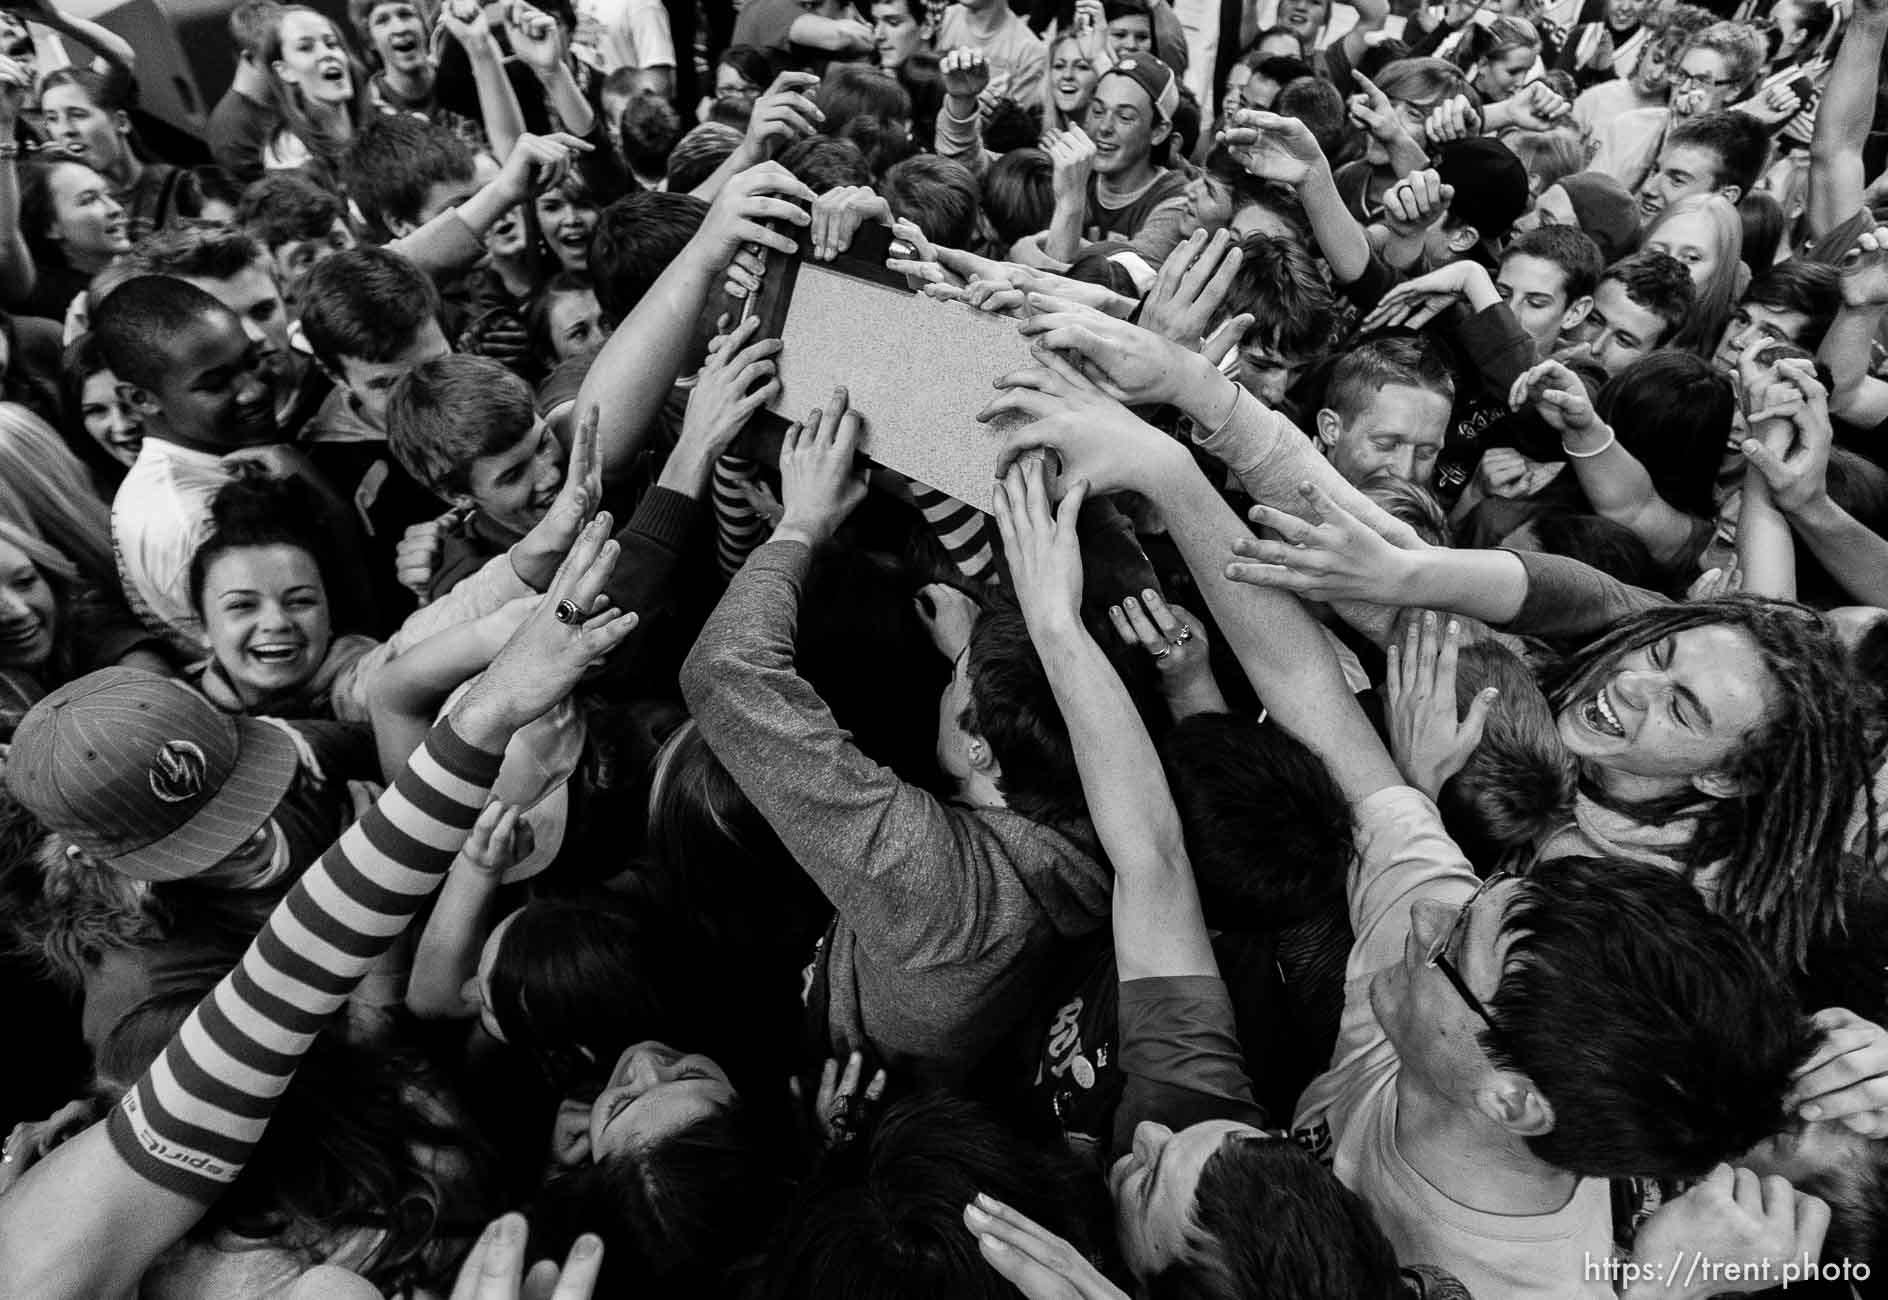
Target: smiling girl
(84,115)
(315,89)
(73,228)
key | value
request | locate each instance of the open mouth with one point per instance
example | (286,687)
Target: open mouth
(334,73)
(1598,715)
(275,652)
(17,636)
(403,43)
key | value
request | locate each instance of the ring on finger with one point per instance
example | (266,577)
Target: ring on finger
(1183,636)
(566,612)
(1162,652)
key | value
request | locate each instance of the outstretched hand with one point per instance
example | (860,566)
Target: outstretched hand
(495,1270)
(819,483)
(1557,393)
(1192,287)
(535,558)
(1096,437)
(1041,545)
(1036,1261)
(1130,364)
(1330,555)
(1428,740)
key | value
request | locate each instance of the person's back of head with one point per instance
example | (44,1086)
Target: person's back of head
(1673,411)
(1011,125)
(1424,82)
(1739,141)
(1658,283)
(674,1215)
(822,163)
(1280,287)
(1409,503)
(636,238)
(1549,156)
(1018,196)
(196,252)
(699,154)
(1316,103)
(367,304)
(1812,289)
(650,129)
(141,320)
(1266,828)
(399,167)
(1410,361)
(939,194)
(1269,1220)
(1517,786)
(446,413)
(1656,1032)
(1598,543)
(1014,711)
(283,207)
(850,91)
(250,25)
(883,1214)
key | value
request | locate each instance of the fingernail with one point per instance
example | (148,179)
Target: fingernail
(987,1201)
(587,1247)
(994,1246)
(510,1229)
(975,1215)
(1455,628)
(1811,1111)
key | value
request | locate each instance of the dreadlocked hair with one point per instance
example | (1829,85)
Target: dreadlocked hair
(1781,841)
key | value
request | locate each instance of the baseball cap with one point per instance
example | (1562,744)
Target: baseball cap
(146,775)
(1490,184)
(1605,210)
(1153,76)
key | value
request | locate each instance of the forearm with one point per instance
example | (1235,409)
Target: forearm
(1487,585)
(639,365)
(498,101)
(1064,240)
(959,133)
(1406,155)
(1279,646)
(451,241)
(419,680)
(1854,554)
(567,101)
(448,953)
(1847,349)
(1847,106)
(1766,555)
(110,46)
(18,275)
(1339,236)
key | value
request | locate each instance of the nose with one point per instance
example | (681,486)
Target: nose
(272,617)
(13,606)
(1149,1138)
(253,391)
(119,423)
(113,209)
(1635,688)
(470,994)
(1403,464)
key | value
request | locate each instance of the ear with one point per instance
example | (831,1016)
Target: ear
(1329,427)
(397,228)
(977,750)
(121,121)
(1161,132)
(139,399)
(1575,313)
(1462,238)
(1734,193)
(1511,1100)
(462,501)
(280,68)
(1718,785)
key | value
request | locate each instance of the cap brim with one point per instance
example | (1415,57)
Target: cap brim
(266,763)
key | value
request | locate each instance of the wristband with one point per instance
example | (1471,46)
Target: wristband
(1611,438)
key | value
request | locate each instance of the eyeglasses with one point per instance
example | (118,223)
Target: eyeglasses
(1697,81)
(1439,951)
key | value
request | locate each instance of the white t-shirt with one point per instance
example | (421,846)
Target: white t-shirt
(1016,54)
(626,33)
(1405,855)
(158,519)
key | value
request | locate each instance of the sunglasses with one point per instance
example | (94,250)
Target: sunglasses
(1446,942)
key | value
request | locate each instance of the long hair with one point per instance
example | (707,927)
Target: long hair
(1719,293)
(46,493)
(1781,839)
(324,146)
(82,360)
(1094,47)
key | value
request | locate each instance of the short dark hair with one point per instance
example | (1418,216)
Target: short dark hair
(1316,103)
(139,321)
(1279,285)
(1567,247)
(883,1213)
(365,303)
(1812,288)
(1672,410)
(1013,709)
(1011,125)
(1019,194)
(650,129)
(1598,543)
(1740,141)
(699,155)
(823,163)
(636,238)
(939,194)
(1659,283)
(250,25)
(197,251)
(283,207)
(446,413)
(1266,828)
(1269,1220)
(851,91)
(1364,371)
(258,509)
(1518,784)
(395,159)
(1661,1036)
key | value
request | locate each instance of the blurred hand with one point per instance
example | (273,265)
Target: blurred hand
(1798,478)
(838,214)
(1736,1220)
(538,163)
(1132,365)
(1427,738)
(1034,1260)
(1557,393)
(1097,438)
(840,1105)
(1537,107)
(1865,270)
(1329,555)
(765,192)
(1041,545)
(1273,147)
(1187,295)
(536,556)
(500,838)
(495,1270)
(416,556)
(819,483)
(1417,202)
(1072,157)
(966,73)
(534,37)
(738,379)
(784,115)
(1845,1079)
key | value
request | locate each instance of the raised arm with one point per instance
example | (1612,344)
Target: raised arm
(498,102)
(92,1218)
(1836,175)
(835,35)
(1848,348)
(18,275)
(538,42)
(638,367)
(1277,148)
(1159,929)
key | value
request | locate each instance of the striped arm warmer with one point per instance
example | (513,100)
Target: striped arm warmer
(192,1121)
(739,528)
(964,531)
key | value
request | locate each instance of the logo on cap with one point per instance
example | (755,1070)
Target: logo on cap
(178,771)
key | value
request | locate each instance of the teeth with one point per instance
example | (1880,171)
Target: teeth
(1600,714)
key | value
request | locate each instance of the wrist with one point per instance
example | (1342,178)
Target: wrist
(1207,397)
(1589,440)
(1813,513)
(687,470)
(483,722)
(810,533)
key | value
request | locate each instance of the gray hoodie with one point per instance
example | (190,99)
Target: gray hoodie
(948,916)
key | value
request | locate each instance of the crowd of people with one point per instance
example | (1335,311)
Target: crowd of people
(1385,795)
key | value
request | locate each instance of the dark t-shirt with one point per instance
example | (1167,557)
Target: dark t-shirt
(240,129)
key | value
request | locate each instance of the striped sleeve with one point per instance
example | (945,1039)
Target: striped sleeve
(739,528)
(190,1123)
(964,531)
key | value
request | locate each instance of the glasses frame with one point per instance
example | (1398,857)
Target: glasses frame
(1439,959)
(1682,80)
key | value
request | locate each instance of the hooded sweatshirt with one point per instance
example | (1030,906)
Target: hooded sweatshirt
(949,919)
